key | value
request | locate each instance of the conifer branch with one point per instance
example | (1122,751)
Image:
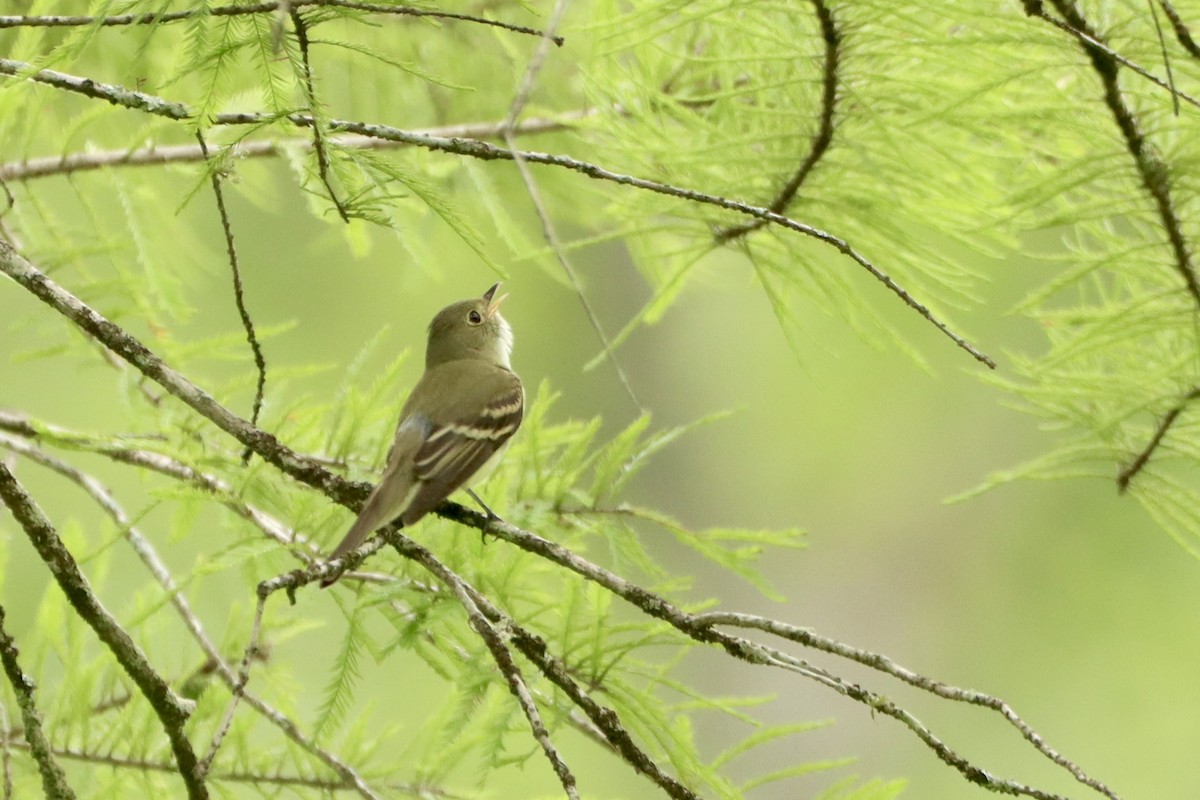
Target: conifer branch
(533,647)
(118,20)
(1139,462)
(882,663)
(821,140)
(54,780)
(239,294)
(1152,170)
(140,357)
(310,97)
(520,99)
(420,792)
(1182,33)
(1091,41)
(171,710)
(484,151)
(349,777)
(352,495)
(6,748)
(69,163)
(470,599)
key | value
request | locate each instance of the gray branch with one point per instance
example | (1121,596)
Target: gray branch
(54,780)
(151,104)
(172,710)
(352,495)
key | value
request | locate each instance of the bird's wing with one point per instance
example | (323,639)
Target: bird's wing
(396,487)
(455,450)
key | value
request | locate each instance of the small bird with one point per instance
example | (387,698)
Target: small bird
(458,418)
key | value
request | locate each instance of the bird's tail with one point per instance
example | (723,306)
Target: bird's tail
(366,523)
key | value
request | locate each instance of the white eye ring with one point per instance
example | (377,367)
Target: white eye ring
(474,318)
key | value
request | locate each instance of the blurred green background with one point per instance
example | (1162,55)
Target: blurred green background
(1060,597)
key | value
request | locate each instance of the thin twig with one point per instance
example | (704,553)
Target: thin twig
(821,140)
(310,96)
(882,663)
(54,780)
(1090,40)
(1153,171)
(239,688)
(1181,30)
(1166,57)
(239,295)
(420,791)
(294,542)
(467,595)
(68,163)
(172,710)
(1128,472)
(6,746)
(519,101)
(484,151)
(353,494)
(59,21)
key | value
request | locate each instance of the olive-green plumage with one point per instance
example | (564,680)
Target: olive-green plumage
(459,416)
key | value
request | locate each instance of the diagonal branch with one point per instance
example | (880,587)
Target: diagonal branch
(882,663)
(1034,8)
(54,780)
(239,295)
(533,647)
(482,150)
(69,163)
(310,97)
(1139,462)
(520,99)
(1152,170)
(820,140)
(172,710)
(1181,29)
(352,495)
(349,777)
(137,354)
(119,20)
(470,599)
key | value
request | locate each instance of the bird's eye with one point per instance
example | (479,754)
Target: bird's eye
(474,318)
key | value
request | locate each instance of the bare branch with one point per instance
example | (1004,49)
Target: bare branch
(484,151)
(520,99)
(171,709)
(1090,40)
(54,780)
(59,21)
(352,495)
(310,97)
(824,133)
(1128,472)
(882,663)
(67,164)
(1181,29)
(239,295)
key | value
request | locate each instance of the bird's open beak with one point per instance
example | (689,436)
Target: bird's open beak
(493,301)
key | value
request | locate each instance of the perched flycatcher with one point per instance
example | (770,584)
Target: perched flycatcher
(457,419)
